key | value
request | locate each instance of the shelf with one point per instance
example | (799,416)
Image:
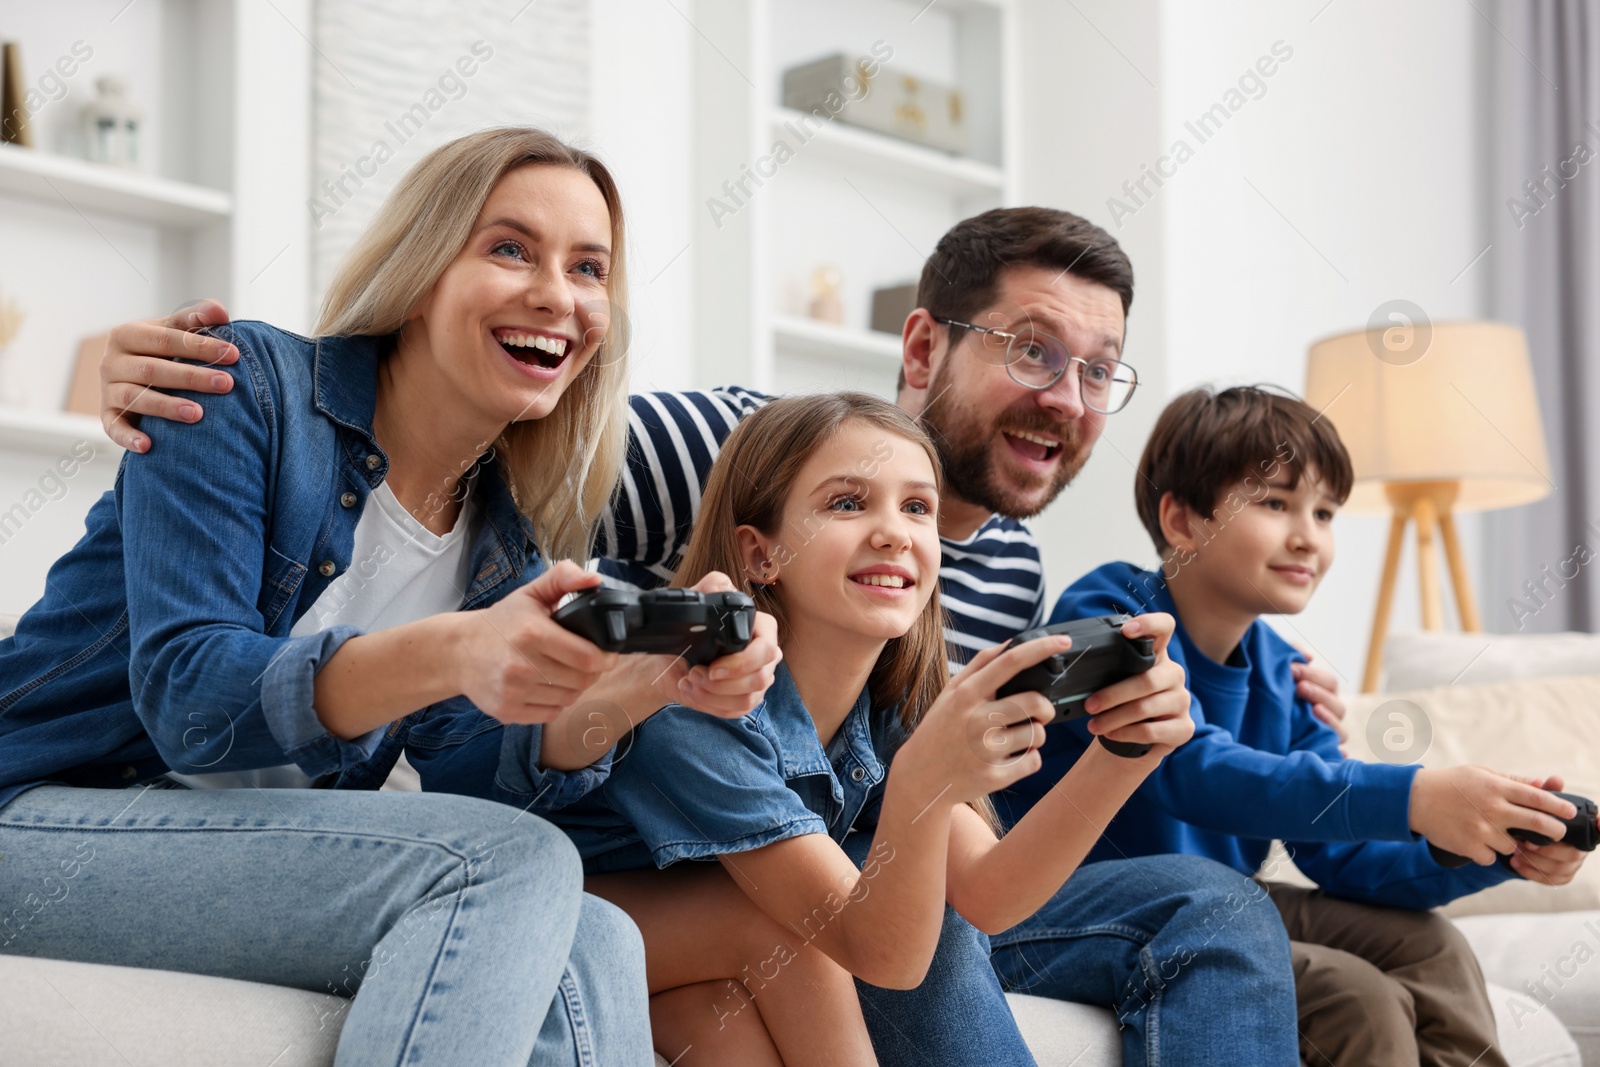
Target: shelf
(806,337)
(95,187)
(889,157)
(50,432)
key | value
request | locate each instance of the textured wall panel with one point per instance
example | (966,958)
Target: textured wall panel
(388,90)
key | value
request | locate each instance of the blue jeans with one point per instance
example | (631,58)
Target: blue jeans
(957,1017)
(461,923)
(1190,954)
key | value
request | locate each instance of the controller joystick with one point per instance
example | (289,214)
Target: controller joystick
(1100,656)
(700,627)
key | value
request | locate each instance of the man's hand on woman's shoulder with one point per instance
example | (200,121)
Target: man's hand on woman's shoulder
(144,358)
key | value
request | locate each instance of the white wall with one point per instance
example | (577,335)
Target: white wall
(639,123)
(1366,141)
(529,65)
(1090,116)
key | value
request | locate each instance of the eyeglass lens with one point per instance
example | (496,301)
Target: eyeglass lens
(1038,360)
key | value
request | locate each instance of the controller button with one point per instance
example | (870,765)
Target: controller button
(616,626)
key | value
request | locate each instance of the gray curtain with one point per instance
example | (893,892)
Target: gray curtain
(1542,561)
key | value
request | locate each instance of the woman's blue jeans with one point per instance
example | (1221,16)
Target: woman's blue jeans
(459,926)
(1190,954)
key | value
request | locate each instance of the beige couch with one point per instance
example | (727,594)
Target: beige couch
(70,1014)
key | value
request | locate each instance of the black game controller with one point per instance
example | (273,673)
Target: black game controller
(1100,656)
(1582,834)
(700,627)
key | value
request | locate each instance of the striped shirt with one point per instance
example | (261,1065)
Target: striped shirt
(992,583)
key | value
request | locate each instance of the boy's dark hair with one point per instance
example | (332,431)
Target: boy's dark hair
(1205,441)
(962,275)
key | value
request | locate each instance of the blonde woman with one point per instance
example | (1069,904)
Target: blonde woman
(357,541)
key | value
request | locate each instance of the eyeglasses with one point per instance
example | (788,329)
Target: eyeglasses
(1038,360)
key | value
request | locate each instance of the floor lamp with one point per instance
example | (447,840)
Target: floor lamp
(1438,419)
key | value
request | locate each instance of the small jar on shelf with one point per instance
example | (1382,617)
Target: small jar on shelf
(111,124)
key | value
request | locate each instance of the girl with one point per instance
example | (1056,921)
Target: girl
(276,598)
(850,807)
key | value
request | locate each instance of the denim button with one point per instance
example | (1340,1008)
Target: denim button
(348,500)
(326,568)
(372,462)
(857,774)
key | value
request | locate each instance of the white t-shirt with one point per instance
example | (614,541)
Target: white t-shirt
(400,572)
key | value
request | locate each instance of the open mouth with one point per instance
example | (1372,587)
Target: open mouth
(533,349)
(884,582)
(1033,446)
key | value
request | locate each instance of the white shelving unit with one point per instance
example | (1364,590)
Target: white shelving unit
(868,204)
(218,210)
(93,187)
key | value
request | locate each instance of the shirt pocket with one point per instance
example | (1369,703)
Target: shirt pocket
(279,585)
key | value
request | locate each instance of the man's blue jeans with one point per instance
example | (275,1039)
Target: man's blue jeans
(461,923)
(1191,955)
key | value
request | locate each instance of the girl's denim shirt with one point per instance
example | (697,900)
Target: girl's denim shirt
(691,786)
(162,640)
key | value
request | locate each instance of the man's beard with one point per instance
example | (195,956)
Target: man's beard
(972,472)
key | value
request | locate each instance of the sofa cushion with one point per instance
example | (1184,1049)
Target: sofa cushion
(1534,726)
(57,1014)
(1424,660)
(1542,966)
(1059,1032)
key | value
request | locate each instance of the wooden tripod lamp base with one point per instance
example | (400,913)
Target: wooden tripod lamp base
(1428,504)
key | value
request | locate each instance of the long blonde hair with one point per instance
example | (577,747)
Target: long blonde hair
(562,468)
(750,485)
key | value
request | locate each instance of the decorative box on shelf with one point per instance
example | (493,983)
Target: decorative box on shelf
(900,105)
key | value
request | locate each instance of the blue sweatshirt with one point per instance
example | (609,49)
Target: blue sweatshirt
(1260,766)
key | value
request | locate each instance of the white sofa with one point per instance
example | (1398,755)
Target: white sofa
(61,1014)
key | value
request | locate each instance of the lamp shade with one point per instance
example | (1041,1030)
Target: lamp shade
(1444,402)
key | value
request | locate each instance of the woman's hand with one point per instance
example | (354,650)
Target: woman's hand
(518,664)
(735,684)
(143,357)
(1150,708)
(971,743)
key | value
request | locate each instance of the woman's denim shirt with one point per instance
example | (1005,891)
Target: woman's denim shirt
(162,640)
(691,786)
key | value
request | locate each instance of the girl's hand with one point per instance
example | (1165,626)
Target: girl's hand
(142,358)
(735,684)
(970,743)
(1150,708)
(519,665)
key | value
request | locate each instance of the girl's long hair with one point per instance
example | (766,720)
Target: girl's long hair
(750,485)
(562,468)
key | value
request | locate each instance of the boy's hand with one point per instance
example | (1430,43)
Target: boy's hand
(1150,708)
(1318,685)
(144,357)
(1553,864)
(1469,810)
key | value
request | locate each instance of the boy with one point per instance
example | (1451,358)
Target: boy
(1238,490)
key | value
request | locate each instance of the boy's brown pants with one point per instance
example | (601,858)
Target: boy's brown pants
(1384,986)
